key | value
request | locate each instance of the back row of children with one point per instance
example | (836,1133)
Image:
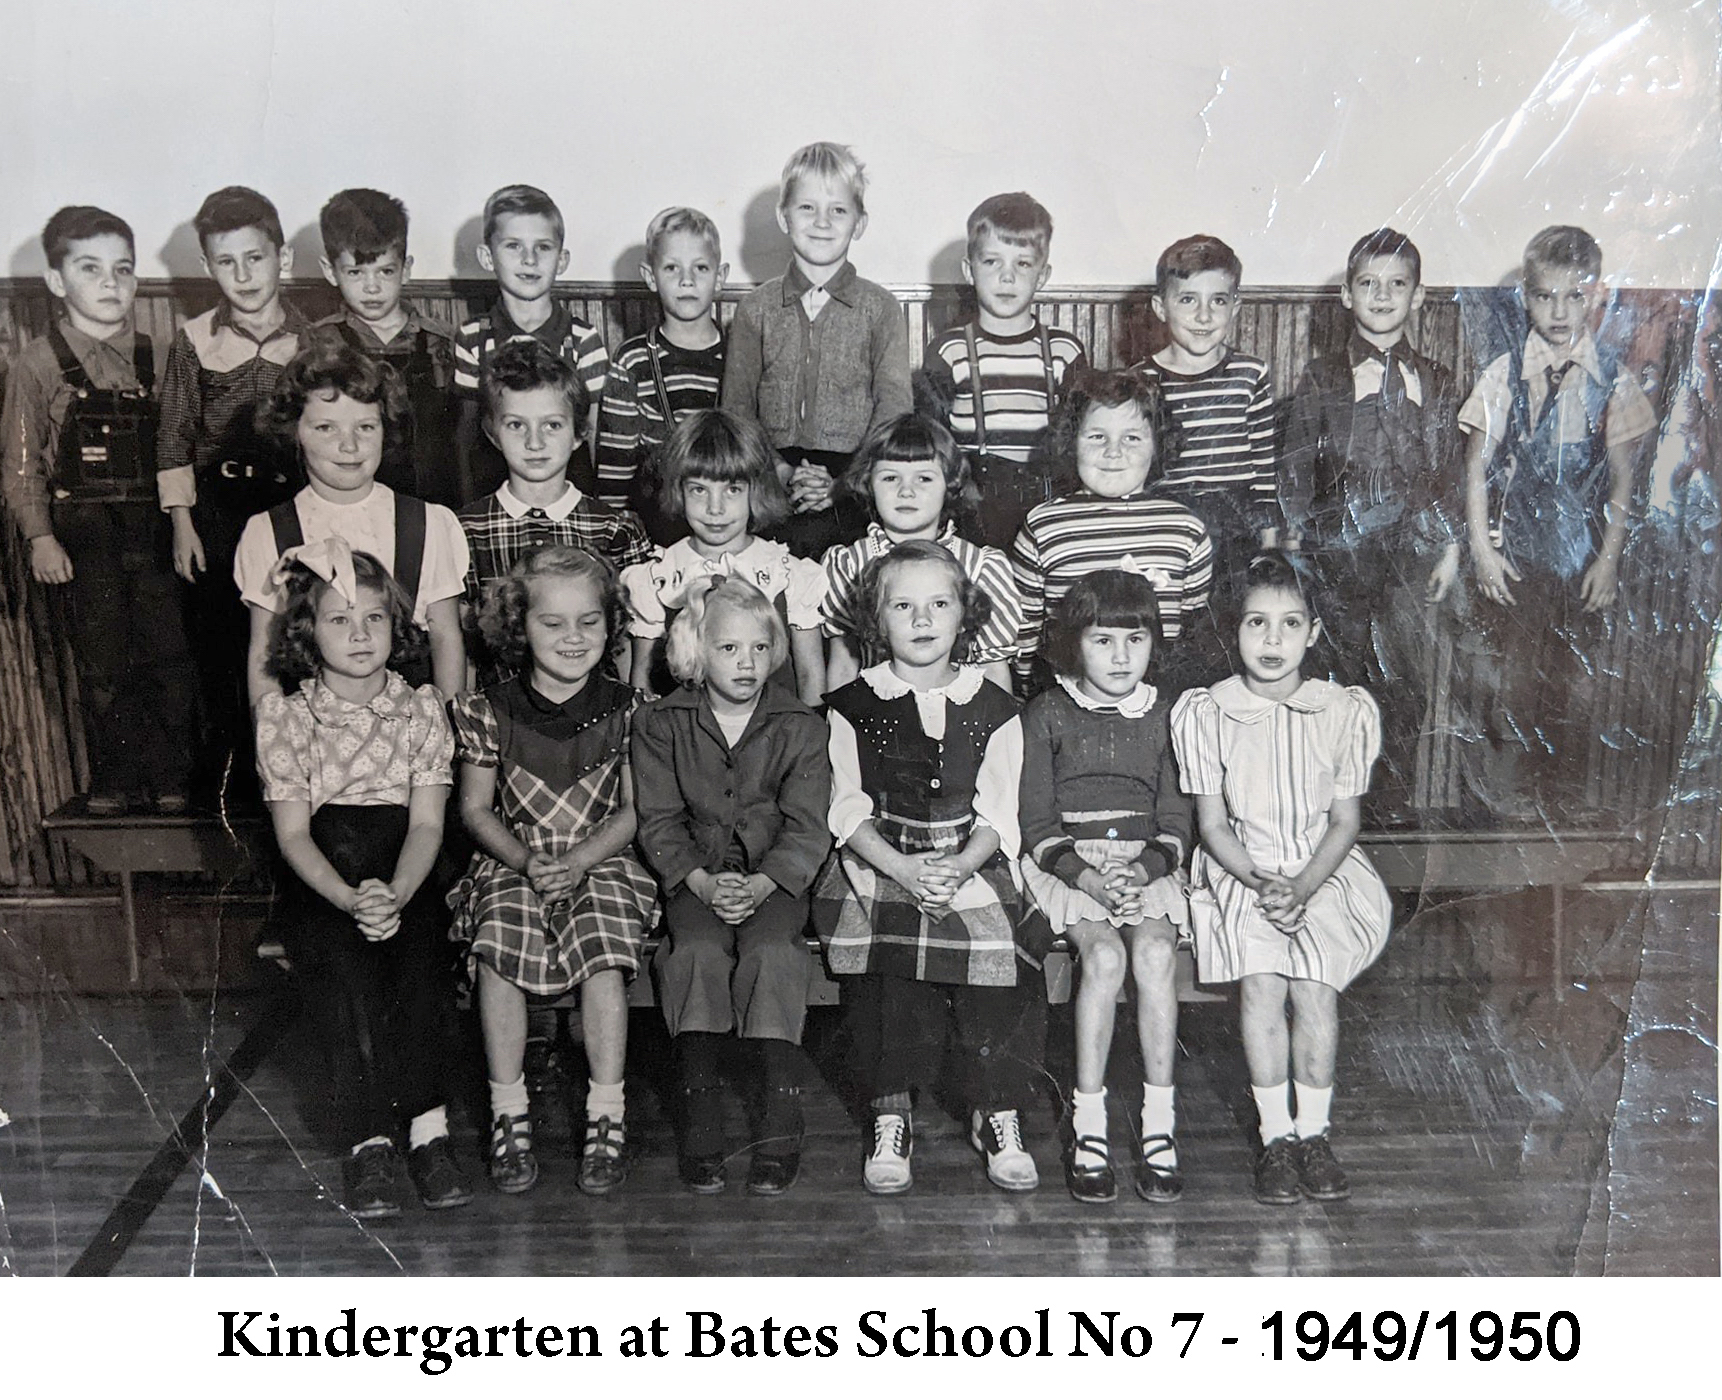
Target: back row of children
(1168,462)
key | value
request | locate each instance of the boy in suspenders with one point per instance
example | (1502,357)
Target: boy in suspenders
(79,481)
(997,379)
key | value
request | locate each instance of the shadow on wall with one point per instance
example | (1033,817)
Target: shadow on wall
(946,266)
(26,259)
(626,268)
(764,250)
(463,256)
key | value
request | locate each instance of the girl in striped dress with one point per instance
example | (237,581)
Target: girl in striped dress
(555,897)
(912,480)
(1281,899)
(1115,428)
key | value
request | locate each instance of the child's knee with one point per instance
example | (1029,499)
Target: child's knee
(1103,961)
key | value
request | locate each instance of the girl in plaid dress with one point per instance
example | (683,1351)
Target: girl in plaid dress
(918,910)
(555,898)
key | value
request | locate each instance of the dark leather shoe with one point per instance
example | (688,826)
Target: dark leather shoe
(440,1182)
(772,1176)
(1158,1182)
(1091,1183)
(1276,1173)
(1320,1177)
(371,1181)
(704,1175)
(604,1158)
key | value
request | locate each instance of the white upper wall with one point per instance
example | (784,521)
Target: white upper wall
(1288,129)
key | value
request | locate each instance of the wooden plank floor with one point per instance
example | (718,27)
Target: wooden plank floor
(1488,1131)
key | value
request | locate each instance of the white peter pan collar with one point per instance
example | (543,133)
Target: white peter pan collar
(1133,706)
(558,510)
(930,704)
(1237,701)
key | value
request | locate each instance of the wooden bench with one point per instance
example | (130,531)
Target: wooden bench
(141,848)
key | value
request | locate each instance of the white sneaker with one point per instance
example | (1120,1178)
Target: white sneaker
(886,1171)
(998,1137)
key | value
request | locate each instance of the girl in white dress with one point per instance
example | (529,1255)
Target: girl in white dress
(1281,899)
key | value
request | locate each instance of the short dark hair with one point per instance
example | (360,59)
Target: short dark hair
(1103,598)
(1112,388)
(507,600)
(911,437)
(330,363)
(235,207)
(521,199)
(1201,252)
(1275,569)
(869,593)
(79,221)
(1564,246)
(1017,217)
(365,223)
(715,445)
(293,655)
(523,365)
(1384,243)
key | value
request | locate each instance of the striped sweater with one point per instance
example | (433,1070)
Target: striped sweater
(1076,534)
(1225,419)
(632,422)
(1013,385)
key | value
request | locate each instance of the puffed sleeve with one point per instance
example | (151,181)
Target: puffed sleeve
(1196,742)
(850,804)
(477,738)
(431,761)
(645,608)
(1358,743)
(996,785)
(804,595)
(254,563)
(998,639)
(284,748)
(446,561)
(837,604)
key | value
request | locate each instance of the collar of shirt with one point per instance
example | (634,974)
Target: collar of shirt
(1133,706)
(880,544)
(1369,368)
(346,316)
(1237,701)
(553,332)
(293,322)
(840,286)
(558,510)
(1541,356)
(393,701)
(87,347)
(577,706)
(888,685)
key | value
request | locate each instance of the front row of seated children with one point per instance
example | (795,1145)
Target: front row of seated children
(925,777)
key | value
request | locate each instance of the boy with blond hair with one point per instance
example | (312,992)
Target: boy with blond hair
(998,378)
(1555,426)
(819,356)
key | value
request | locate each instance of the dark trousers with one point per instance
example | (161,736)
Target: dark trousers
(899,1029)
(382,1010)
(1537,664)
(128,640)
(752,977)
(220,623)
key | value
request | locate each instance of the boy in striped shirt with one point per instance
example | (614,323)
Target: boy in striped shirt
(999,377)
(524,246)
(674,369)
(1221,400)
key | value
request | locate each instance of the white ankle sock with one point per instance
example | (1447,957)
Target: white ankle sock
(428,1127)
(1088,1119)
(604,1101)
(1274,1110)
(508,1098)
(359,1147)
(1160,1115)
(1312,1109)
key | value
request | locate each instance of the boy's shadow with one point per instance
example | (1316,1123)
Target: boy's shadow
(764,249)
